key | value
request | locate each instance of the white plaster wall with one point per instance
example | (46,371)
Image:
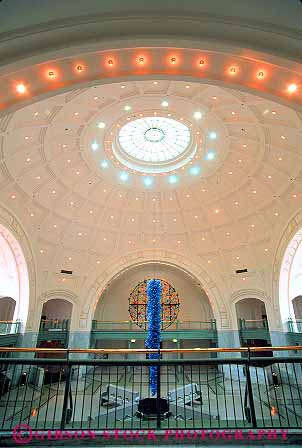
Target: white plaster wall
(194,304)
(250,309)
(57,309)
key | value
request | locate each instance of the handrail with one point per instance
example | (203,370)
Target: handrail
(143,350)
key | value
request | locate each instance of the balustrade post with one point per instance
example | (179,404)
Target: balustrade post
(66,394)
(250,393)
(158,400)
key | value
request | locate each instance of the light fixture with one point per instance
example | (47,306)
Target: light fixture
(13,196)
(104,164)
(53,192)
(201,62)
(133,340)
(174,340)
(80,234)
(51,74)
(210,155)
(187,86)
(148,181)
(79,68)
(124,176)
(194,170)
(292,88)
(173,179)
(217,211)
(155,83)
(164,103)
(260,74)
(197,115)
(94,146)
(212,135)
(110,62)
(101,125)
(141,60)
(173,60)
(21,89)
(232,70)
(127,107)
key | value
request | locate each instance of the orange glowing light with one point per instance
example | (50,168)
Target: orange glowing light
(201,62)
(21,89)
(173,60)
(232,70)
(110,62)
(51,74)
(260,74)
(34,412)
(79,68)
(141,60)
(274,411)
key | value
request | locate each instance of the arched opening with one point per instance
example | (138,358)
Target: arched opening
(14,283)
(290,283)
(55,322)
(252,322)
(115,311)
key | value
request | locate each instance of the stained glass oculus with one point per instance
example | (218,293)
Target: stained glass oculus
(154,139)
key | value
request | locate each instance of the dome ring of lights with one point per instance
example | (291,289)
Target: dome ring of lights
(138,301)
(154,144)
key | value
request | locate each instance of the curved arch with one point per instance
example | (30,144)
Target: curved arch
(39,81)
(140,258)
(20,259)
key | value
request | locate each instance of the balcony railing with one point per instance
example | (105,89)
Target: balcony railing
(54,325)
(66,394)
(9,327)
(249,324)
(294,326)
(127,325)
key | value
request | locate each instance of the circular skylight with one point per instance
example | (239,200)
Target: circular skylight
(154,139)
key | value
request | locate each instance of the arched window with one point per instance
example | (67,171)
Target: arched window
(14,284)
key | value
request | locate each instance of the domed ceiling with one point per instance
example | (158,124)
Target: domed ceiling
(201,170)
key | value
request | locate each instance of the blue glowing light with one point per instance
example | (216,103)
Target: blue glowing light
(124,176)
(104,164)
(94,146)
(173,179)
(148,181)
(212,135)
(194,170)
(210,155)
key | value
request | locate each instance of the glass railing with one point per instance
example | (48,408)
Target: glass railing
(250,324)
(54,325)
(98,325)
(294,326)
(9,327)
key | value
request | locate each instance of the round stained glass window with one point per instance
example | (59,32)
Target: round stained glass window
(154,139)
(138,301)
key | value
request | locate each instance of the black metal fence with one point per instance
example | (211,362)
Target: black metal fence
(115,394)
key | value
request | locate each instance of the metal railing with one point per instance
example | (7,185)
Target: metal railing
(98,325)
(252,392)
(9,327)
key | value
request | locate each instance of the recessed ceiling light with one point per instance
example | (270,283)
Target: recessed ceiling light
(217,211)
(203,238)
(244,145)
(28,159)
(283,137)
(95,97)
(31,214)
(69,258)
(76,114)
(214,97)
(154,241)
(254,191)
(237,258)
(187,86)
(252,226)
(36,114)
(127,107)
(228,234)
(41,251)
(80,233)
(212,135)
(136,199)
(98,262)
(77,173)
(196,216)
(148,181)
(155,83)
(90,212)
(71,203)
(236,203)
(294,195)
(274,112)
(53,192)
(132,219)
(230,172)
(94,146)
(171,199)
(123,86)
(194,170)
(266,249)
(210,155)
(233,113)
(101,125)
(153,199)
(178,242)
(209,262)
(105,239)
(55,226)
(187,195)
(276,214)
(197,115)
(239,161)
(203,190)
(269,177)
(174,219)
(68,160)
(173,179)
(26,137)
(104,164)
(164,103)
(124,176)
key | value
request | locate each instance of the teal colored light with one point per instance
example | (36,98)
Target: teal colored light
(212,135)
(124,176)
(194,170)
(173,179)
(104,164)
(148,181)
(210,155)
